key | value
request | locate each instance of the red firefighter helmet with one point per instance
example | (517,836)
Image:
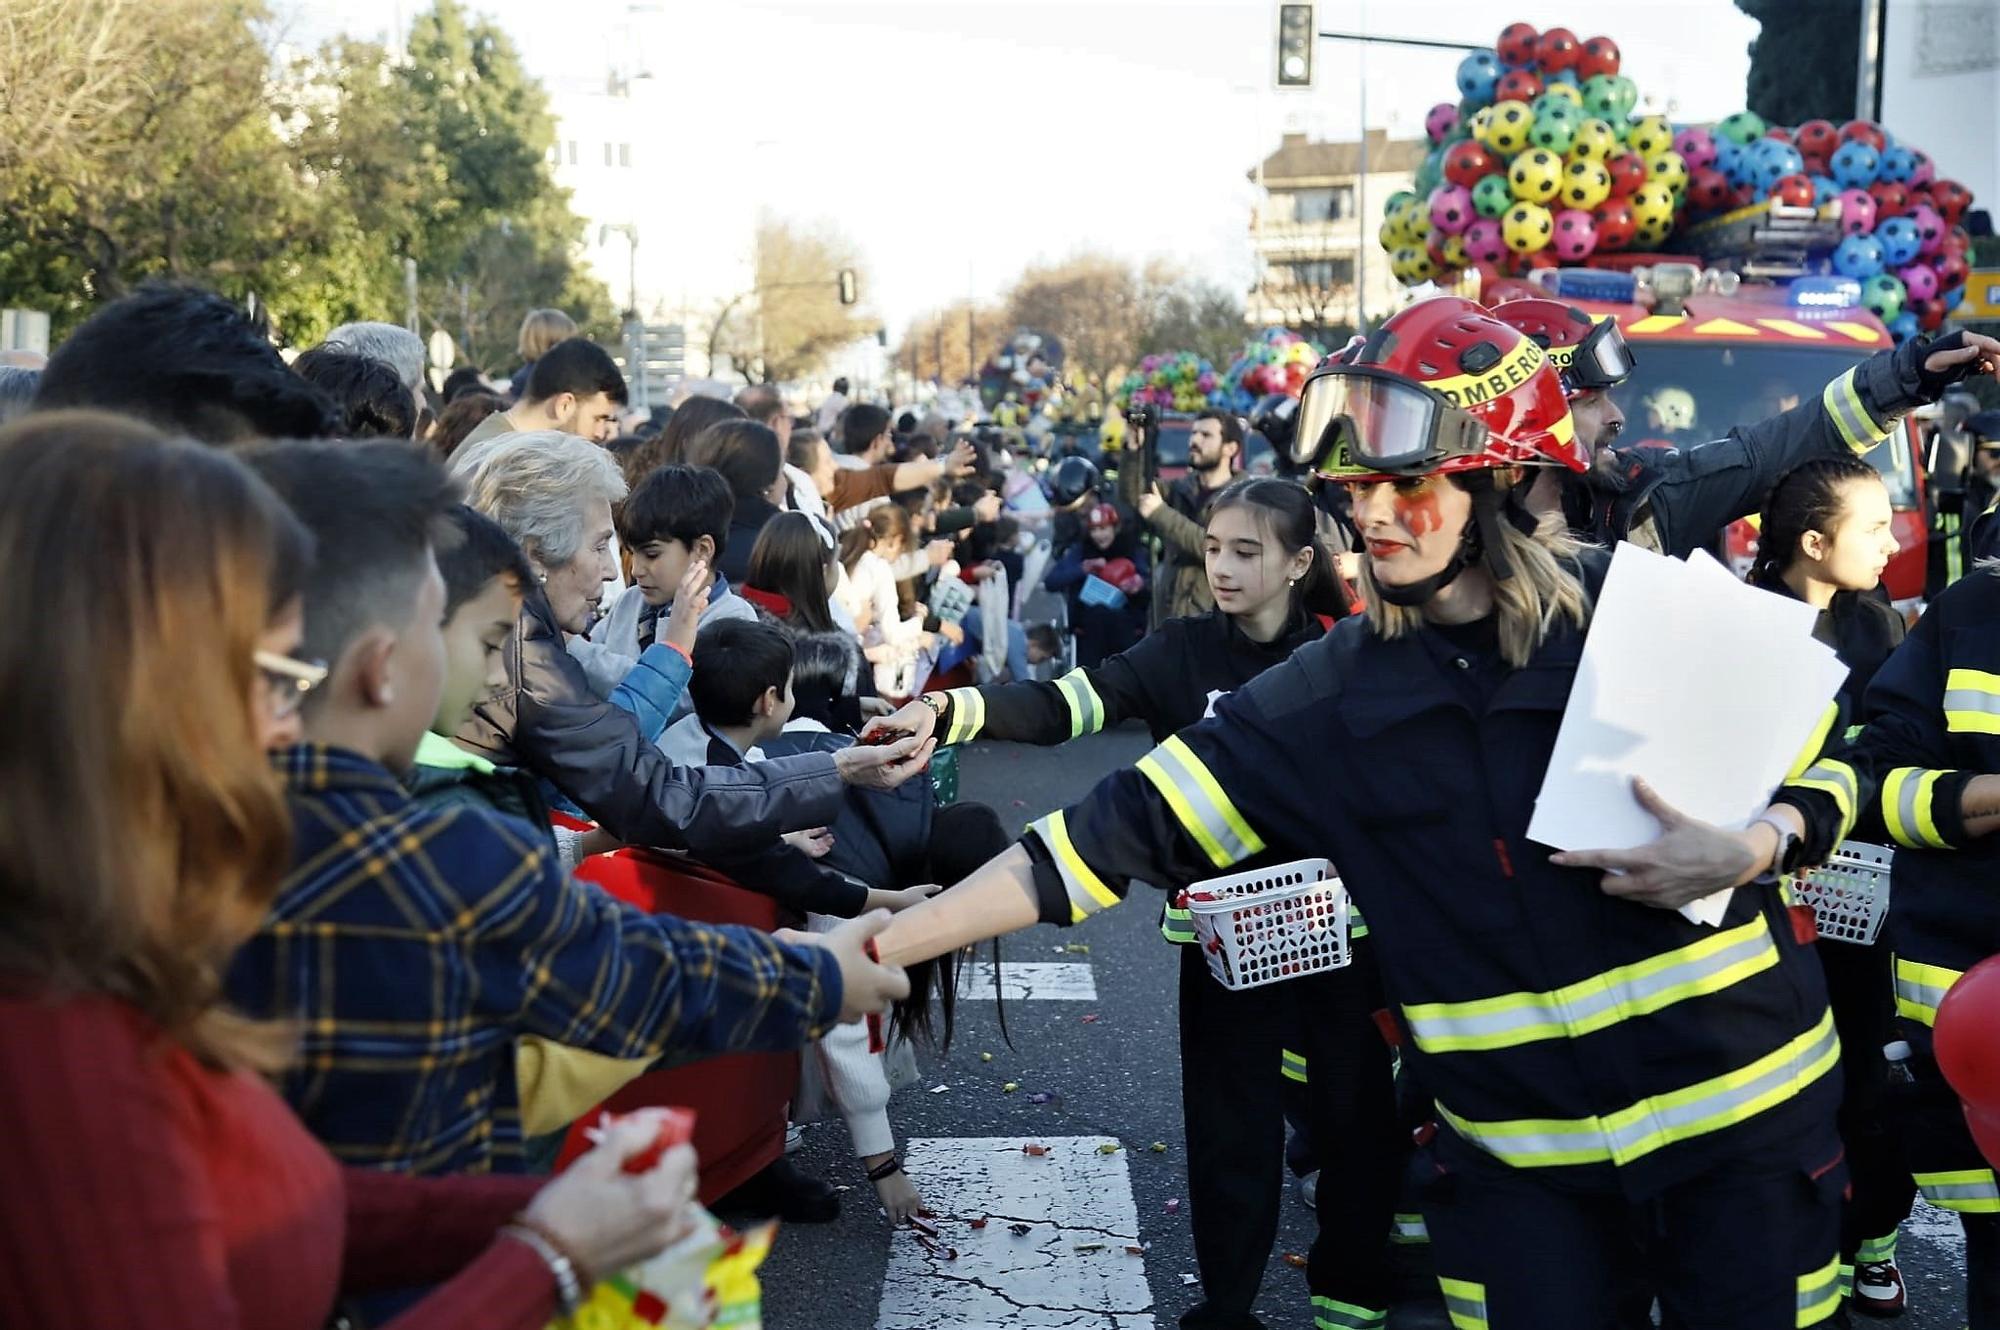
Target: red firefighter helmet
(1442,387)
(1590,354)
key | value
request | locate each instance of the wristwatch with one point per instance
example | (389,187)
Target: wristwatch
(936,702)
(569,1284)
(1785,858)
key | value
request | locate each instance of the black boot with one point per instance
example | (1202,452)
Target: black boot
(784,1192)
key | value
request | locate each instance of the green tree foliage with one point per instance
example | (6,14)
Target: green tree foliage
(1804,64)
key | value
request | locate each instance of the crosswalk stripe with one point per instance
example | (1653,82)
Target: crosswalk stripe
(1052,981)
(1069,1268)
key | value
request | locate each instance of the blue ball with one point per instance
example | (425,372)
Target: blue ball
(1825,189)
(1900,240)
(1775,162)
(1903,327)
(1898,164)
(1855,165)
(1477,74)
(1562,76)
(1859,257)
(1733,161)
(1954,297)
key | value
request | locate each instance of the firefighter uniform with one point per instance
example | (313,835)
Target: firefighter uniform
(1240,1049)
(1933,723)
(1620,1093)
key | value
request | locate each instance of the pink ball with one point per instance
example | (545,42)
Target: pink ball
(1576,235)
(1483,242)
(1857,212)
(1919,279)
(1930,229)
(1925,172)
(1451,209)
(1440,120)
(1696,147)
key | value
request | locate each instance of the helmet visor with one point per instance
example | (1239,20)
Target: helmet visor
(1354,420)
(1600,361)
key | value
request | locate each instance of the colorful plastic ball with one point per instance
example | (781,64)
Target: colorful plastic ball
(1884,296)
(1440,120)
(1667,168)
(1952,271)
(1518,85)
(1825,189)
(1576,235)
(1653,200)
(1733,161)
(1600,55)
(1817,138)
(1930,230)
(1527,227)
(1484,242)
(1450,251)
(1491,197)
(1930,313)
(1468,163)
(1794,191)
(1554,132)
(1594,141)
(1627,172)
(1925,170)
(1557,48)
(1696,147)
(1951,199)
(1567,76)
(1857,212)
(1507,132)
(1904,326)
(1954,297)
(1413,264)
(1653,232)
(1858,256)
(1891,199)
(1919,279)
(1900,240)
(1774,161)
(1709,190)
(1616,226)
(1477,74)
(1649,135)
(1610,97)
(1854,165)
(1741,128)
(1898,164)
(1864,131)
(1567,95)
(1517,44)
(1451,209)
(1535,175)
(1585,185)
(1958,240)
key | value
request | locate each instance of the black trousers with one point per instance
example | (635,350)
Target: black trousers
(1860,988)
(1234,1111)
(1939,1150)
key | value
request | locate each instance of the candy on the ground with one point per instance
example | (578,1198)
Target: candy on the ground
(922,1225)
(1090,1019)
(1137,1248)
(1296,1261)
(1109,1148)
(985,1057)
(1034,1151)
(1173,1205)
(1189,1281)
(1077,948)
(977,1223)
(939,1089)
(1020,1230)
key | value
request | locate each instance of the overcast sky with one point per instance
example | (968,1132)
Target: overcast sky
(958,140)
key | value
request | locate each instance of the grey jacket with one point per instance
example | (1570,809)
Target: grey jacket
(550,722)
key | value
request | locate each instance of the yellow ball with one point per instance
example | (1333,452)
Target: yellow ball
(1652,233)
(1507,132)
(1668,168)
(1480,120)
(1569,92)
(1527,227)
(1390,233)
(1653,202)
(1535,176)
(1412,264)
(1585,184)
(1649,135)
(1594,142)
(1454,252)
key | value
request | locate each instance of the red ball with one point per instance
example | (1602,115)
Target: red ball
(1516,46)
(1816,138)
(1518,85)
(1963,1039)
(1892,199)
(1710,191)
(1815,165)
(1930,313)
(1864,131)
(1951,199)
(1557,49)
(1541,258)
(1952,271)
(1468,163)
(1600,55)
(1616,226)
(1778,132)
(1627,173)
(1795,191)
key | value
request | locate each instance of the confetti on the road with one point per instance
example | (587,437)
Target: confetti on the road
(1034,1151)
(939,1089)
(1189,1281)
(1109,1148)
(1091,1019)
(1159,1147)
(1020,1230)
(1010,1087)
(985,1057)
(1137,1248)
(1077,948)
(1173,1205)
(977,1223)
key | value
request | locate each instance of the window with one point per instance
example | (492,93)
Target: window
(624,154)
(572,152)
(1322,274)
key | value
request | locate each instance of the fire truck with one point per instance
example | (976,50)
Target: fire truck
(1737,331)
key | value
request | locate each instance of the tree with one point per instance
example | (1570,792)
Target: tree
(938,345)
(1804,63)
(1095,304)
(1191,314)
(784,327)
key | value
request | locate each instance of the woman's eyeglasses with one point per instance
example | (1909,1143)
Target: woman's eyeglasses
(288,680)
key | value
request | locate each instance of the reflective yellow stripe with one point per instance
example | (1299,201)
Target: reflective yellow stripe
(1972,702)
(1906,808)
(1200,805)
(1599,1002)
(1819,1293)
(1292,1065)
(1356,925)
(1834,777)
(968,715)
(1177,925)
(1472,389)
(1967,1190)
(1842,400)
(1664,1119)
(1087,892)
(1409,1230)
(1816,744)
(1086,709)
(1464,1302)
(1919,989)
(1873,1251)
(1333,1314)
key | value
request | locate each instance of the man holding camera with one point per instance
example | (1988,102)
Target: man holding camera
(1215,443)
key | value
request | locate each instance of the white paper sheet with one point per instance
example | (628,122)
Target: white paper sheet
(1706,687)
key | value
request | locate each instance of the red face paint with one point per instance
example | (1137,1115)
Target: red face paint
(1419,511)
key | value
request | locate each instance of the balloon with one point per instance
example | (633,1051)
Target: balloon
(1741,128)
(1774,161)
(1884,296)
(1576,235)
(1904,326)
(1507,131)
(1491,197)
(1824,189)
(1594,141)
(1527,227)
(1857,212)
(1650,134)
(1924,171)
(1554,129)
(1667,168)
(1587,184)
(1898,164)
(1952,272)
(1627,172)
(1536,175)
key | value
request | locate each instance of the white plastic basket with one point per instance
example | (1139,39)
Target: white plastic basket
(1849,893)
(1270,924)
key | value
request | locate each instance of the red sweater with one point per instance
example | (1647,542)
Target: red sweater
(144,1188)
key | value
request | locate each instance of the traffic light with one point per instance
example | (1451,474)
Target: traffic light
(1295,46)
(848,293)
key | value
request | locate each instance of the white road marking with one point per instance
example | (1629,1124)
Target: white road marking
(1049,981)
(1069,1271)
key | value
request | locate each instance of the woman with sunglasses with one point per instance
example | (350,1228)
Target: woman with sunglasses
(154,1177)
(1622,1097)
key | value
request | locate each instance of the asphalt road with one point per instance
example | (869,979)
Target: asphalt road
(1115,1075)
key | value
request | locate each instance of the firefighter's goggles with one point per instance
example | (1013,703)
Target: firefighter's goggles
(1601,361)
(1358,420)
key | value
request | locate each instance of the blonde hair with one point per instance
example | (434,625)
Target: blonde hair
(542,329)
(1541,595)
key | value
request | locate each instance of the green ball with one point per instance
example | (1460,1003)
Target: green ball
(1742,128)
(1884,295)
(1554,132)
(1491,197)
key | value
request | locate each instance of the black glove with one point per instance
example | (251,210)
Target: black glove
(1931,384)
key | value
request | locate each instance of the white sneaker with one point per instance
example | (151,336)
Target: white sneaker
(1309,1190)
(794,1138)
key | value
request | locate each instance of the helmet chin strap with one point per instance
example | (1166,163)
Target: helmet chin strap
(1481,541)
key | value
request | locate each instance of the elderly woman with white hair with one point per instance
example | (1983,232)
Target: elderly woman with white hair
(553,493)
